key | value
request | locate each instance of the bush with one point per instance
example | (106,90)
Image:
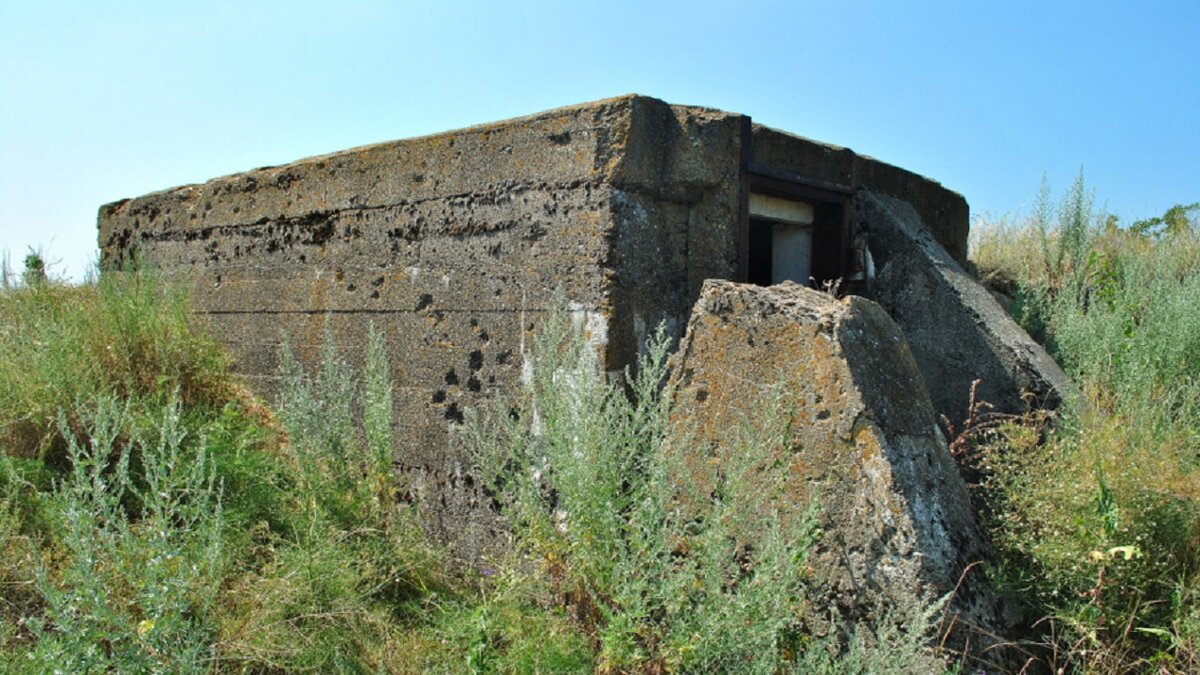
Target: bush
(660,574)
(1100,524)
(133,593)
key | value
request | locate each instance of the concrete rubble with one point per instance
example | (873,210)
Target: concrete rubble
(863,442)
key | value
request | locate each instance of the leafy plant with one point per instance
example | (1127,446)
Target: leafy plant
(663,569)
(135,590)
(1099,521)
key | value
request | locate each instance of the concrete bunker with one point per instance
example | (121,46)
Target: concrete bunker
(452,244)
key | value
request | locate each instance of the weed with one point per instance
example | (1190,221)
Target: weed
(134,592)
(330,590)
(662,568)
(1098,523)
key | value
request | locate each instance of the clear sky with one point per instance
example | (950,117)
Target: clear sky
(105,100)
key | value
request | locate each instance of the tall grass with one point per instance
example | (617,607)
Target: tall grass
(154,518)
(661,569)
(127,336)
(1100,524)
(333,592)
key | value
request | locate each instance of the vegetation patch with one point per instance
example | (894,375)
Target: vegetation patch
(1098,523)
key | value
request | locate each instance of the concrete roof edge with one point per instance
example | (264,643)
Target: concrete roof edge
(475,128)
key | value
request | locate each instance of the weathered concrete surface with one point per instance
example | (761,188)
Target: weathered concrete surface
(943,211)
(452,245)
(862,440)
(956,329)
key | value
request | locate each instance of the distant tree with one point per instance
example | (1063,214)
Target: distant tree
(35,269)
(1177,220)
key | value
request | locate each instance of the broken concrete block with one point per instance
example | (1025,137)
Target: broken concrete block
(861,440)
(957,331)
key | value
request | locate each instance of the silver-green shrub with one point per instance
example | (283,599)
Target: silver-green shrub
(594,485)
(142,556)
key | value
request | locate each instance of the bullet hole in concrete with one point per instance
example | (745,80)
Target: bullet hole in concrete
(374,295)
(377,282)
(424,301)
(418,178)
(560,139)
(451,377)
(483,335)
(475,360)
(351,287)
(473,384)
(504,357)
(491,379)
(454,414)
(702,395)
(474,323)
(439,396)
(303,257)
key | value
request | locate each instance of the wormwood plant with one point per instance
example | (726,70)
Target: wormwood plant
(1100,524)
(657,572)
(142,558)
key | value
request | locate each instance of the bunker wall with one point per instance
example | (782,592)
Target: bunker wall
(676,212)
(451,246)
(943,211)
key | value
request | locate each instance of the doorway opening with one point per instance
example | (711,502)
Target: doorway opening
(793,229)
(780,241)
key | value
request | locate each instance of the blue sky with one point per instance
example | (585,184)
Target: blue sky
(105,100)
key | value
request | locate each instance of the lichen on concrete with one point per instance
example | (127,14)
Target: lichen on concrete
(862,441)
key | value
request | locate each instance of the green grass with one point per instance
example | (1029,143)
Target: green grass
(155,518)
(1099,523)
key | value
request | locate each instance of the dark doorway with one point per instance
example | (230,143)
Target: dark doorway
(795,229)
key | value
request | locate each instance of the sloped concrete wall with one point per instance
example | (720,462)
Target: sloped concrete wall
(957,330)
(861,440)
